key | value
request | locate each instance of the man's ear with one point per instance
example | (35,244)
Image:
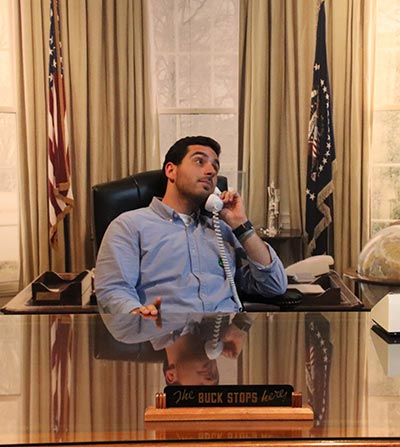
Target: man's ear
(170,171)
(171,375)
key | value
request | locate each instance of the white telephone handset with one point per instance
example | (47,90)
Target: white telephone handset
(214,205)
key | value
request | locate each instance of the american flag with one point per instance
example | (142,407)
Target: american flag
(58,166)
(321,155)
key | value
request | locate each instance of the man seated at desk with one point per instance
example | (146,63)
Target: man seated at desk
(167,254)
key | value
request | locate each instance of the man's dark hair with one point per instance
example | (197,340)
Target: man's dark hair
(178,150)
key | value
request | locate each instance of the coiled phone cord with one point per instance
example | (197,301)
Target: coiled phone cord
(215,346)
(224,259)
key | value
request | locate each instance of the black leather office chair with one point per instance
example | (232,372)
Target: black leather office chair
(110,199)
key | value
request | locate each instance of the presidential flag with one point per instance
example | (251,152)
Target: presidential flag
(321,155)
(319,350)
(58,165)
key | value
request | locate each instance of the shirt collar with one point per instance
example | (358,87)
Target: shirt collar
(166,212)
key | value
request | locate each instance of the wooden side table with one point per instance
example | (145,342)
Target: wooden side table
(280,239)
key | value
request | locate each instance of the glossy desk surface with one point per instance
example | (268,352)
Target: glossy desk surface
(66,379)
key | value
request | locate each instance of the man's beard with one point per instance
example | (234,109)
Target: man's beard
(197,198)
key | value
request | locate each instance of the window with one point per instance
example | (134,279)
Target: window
(385,157)
(196,59)
(9,239)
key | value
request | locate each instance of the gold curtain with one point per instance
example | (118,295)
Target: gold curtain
(113,129)
(277,45)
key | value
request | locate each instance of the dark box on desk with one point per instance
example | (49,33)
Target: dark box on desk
(62,288)
(331,295)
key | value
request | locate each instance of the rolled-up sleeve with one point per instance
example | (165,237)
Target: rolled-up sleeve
(254,278)
(117,269)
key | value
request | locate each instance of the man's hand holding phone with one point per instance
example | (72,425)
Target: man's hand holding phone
(233,212)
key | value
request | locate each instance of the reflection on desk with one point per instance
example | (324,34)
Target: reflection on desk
(188,344)
(328,356)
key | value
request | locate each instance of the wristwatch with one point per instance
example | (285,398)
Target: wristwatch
(242,229)
(242,322)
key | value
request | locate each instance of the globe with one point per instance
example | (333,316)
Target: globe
(380,258)
(379,262)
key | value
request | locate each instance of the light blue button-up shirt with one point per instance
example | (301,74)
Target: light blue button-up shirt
(150,252)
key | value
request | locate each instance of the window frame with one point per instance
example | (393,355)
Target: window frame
(10,287)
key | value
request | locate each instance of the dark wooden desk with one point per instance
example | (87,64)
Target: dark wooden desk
(22,303)
(334,359)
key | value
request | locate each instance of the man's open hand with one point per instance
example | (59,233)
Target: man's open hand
(150,311)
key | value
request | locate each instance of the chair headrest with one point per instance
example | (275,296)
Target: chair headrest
(113,198)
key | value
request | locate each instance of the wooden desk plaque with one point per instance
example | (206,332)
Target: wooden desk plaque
(228,403)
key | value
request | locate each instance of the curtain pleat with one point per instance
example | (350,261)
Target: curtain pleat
(32,136)
(277,45)
(113,125)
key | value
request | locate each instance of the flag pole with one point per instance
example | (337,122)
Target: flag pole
(67,251)
(67,244)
